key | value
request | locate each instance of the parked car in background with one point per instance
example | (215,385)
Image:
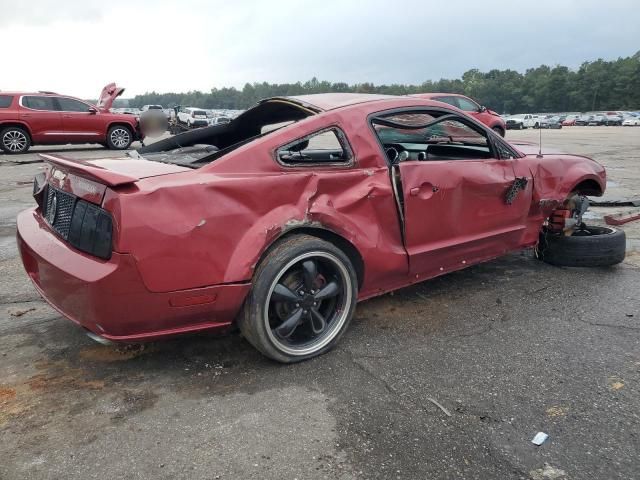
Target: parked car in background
(552,122)
(219,120)
(631,121)
(526,120)
(583,120)
(597,121)
(47,118)
(569,120)
(279,234)
(144,108)
(192,117)
(490,118)
(613,119)
(129,110)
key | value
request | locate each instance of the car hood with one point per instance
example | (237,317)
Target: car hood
(113,171)
(109,93)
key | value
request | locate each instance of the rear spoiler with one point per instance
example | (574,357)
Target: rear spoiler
(91,172)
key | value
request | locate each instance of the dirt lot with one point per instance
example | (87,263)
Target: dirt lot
(508,349)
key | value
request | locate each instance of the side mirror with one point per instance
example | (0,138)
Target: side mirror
(93,110)
(482,109)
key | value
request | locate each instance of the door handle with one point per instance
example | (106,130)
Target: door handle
(67,116)
(414,191)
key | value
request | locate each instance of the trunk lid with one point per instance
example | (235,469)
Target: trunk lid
(112,172)
(109,93)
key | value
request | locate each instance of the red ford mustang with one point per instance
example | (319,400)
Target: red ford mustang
(279,221)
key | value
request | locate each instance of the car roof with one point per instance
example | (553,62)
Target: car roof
(43,94)
(437,94)
(330,101)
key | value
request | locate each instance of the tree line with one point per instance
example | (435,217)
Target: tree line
(595,85)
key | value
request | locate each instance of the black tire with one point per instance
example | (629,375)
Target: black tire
(269,309)
(520,126)
(14,140)
(590,247)
(499,131)
(119,137)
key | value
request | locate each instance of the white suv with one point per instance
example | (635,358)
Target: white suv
(193,117)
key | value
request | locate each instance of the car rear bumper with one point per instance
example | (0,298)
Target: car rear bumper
(109,298)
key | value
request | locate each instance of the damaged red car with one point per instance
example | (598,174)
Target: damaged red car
(281,220)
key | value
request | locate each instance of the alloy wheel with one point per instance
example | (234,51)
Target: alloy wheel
(14,141)
(120,137)
(308,303)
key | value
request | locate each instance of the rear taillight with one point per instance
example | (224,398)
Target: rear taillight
(91,229)
(84,225)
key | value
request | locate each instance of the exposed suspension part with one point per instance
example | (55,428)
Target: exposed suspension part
(567,218)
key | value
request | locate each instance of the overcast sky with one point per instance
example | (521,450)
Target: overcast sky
(77,46)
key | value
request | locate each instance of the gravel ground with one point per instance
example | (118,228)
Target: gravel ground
(450,378)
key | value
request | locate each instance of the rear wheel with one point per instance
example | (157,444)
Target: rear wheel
(302,300)
(14,140)
(587,246)
(119,137)
(499,131)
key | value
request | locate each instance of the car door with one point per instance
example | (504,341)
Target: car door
(81,122)
(455,198)
(40,113)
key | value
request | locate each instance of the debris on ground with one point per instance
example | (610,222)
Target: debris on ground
(556,411)
(540,438)
(547,473)
(21,312)
(446,412)
(622,218)
(615,384)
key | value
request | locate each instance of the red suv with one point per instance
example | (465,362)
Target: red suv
(46,118)
(490,118)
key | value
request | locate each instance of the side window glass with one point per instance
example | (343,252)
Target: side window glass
(396,134)
(449,100)
(503,152)
(467,105)
(5,101)
(430,136)
(71,105)
(39,103)
(328,146)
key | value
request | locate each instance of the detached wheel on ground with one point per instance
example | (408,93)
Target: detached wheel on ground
(302,300)
(119,137)
(589,246)
(14,140)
